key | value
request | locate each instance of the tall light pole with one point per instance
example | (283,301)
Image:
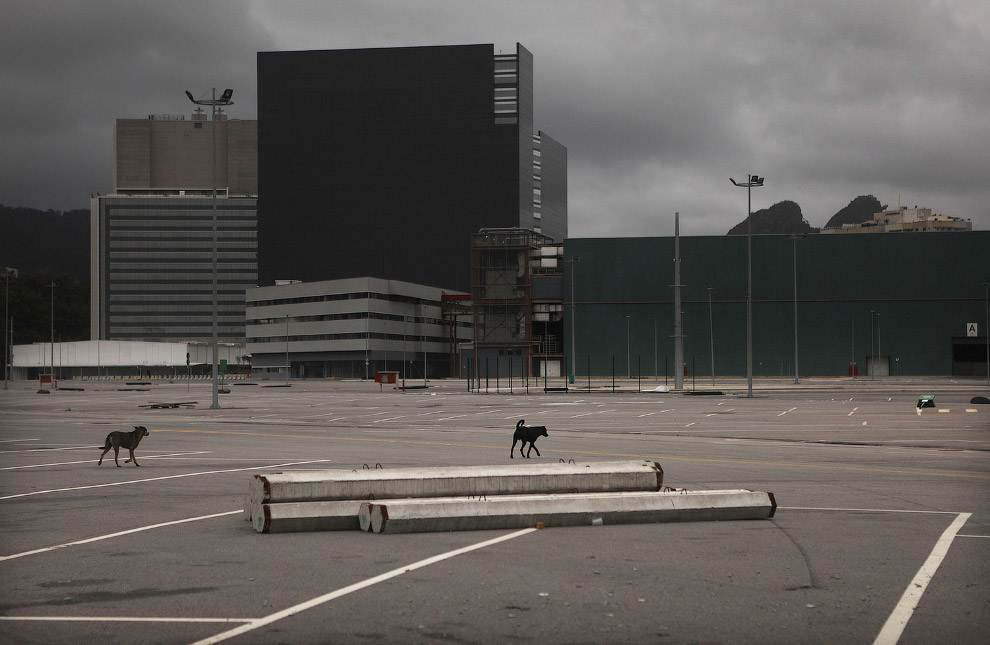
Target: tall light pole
(678,335)
(215,102)
(6,328)
(753,180)
(852,346)
(871,362)
(711,333)
(656,366)
(794,239)
(986,330)
(53,285)
(573,261)
(628,354)
(878,345)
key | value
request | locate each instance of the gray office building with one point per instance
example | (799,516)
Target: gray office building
(152,240)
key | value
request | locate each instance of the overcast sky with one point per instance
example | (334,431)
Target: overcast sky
(658,103)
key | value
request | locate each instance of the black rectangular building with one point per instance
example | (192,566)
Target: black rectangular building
(384,162)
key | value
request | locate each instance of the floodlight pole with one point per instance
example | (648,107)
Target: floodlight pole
(214,102)
(794,239)
(986,330)
(6,327)
(53,285)
(628,354)
(711,334)
(678,333)
(753,180)
(573,260)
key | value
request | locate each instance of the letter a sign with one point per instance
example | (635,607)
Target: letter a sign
(971,330)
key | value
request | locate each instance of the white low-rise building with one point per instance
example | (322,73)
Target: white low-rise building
(124,359)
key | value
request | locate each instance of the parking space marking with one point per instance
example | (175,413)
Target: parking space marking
(902,613)
(91,461)
(125,619)
(319,600)
(9,452)
(786,411)
(108,536)
(154,479)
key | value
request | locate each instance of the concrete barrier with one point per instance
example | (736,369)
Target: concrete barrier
(337,485)
(293,517)
(520,511)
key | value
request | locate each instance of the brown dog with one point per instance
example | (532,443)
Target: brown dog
(118,440)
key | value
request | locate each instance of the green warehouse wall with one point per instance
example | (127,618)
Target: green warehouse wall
(923,287)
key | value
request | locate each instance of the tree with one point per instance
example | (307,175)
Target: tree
(31,308)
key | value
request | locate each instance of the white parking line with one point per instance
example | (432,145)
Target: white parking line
(154,479)
(902,613)
(100,538)
(646,415)
(388,419)
(8,452)
(786,411)
(315,602)
(93,461)
(126,619)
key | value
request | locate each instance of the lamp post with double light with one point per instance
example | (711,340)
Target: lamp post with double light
(753,181)
(214,103)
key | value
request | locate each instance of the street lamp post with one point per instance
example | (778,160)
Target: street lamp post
(986,330)
(711,333)
(573,260)
(656,366)
(678,332)
(794,239)
(871,363)
(214,102)
(53,285)
(6,328)
(628,354)
(753,181)
(878,343)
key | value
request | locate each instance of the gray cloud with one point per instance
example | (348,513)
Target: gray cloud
(659,103)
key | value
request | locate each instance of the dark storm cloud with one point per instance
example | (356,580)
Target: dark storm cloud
(659,103)
(70,68)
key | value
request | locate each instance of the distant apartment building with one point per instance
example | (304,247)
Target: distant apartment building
(384,162)
(906,220)
(152,239)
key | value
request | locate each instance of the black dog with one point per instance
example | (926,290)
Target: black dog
(527,434)
(129,440)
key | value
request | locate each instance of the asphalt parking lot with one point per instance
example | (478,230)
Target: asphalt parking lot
(882,532)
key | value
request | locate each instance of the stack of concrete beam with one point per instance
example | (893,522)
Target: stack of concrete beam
(484,497)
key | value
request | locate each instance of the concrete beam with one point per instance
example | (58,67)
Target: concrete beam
(520,511)
(335,485)
(295,517)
